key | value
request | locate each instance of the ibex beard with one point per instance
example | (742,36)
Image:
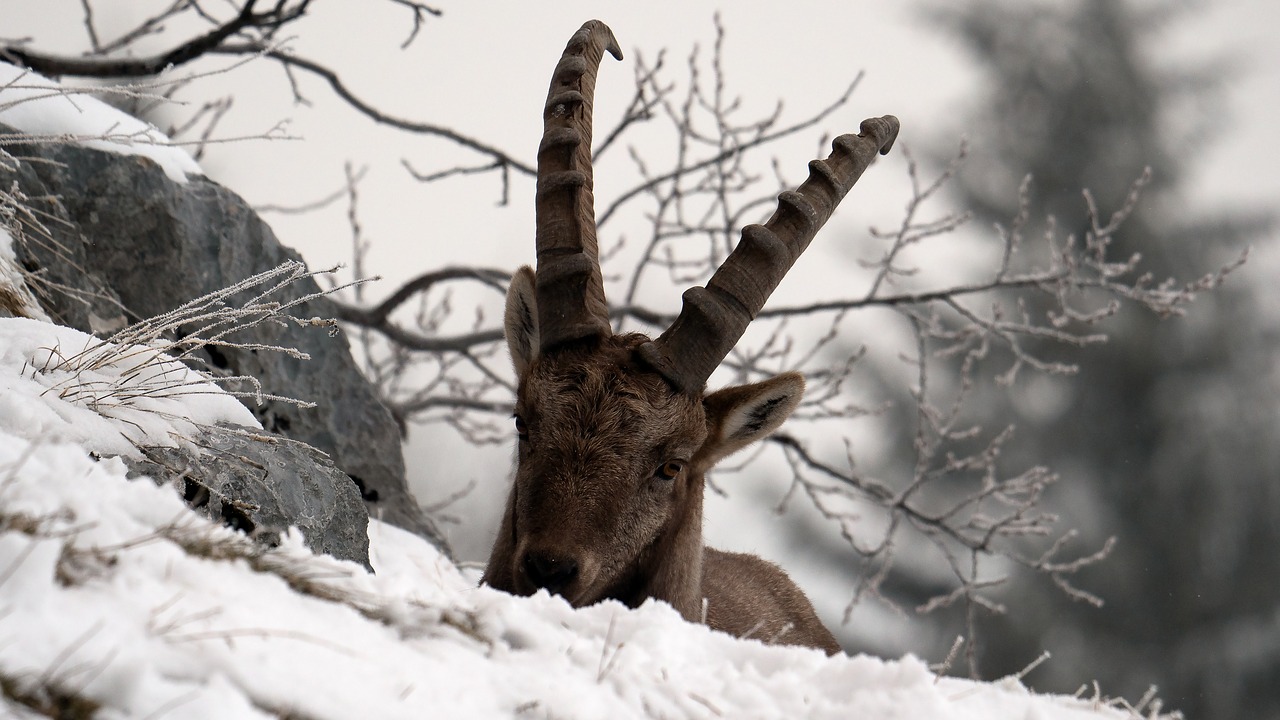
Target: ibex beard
(616,432)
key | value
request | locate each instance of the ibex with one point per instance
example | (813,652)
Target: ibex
(615,431)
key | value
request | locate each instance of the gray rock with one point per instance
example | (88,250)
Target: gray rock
(54,251)
(263,486)
(122,242)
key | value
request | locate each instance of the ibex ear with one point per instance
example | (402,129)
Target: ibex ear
(520,321)
(740,415)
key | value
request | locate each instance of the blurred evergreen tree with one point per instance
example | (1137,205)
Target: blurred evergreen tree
(1168,436)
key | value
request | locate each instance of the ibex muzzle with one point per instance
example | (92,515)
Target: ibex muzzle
(616,432)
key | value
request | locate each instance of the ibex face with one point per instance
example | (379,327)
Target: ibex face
(607,497)
(615,431)
(605,451)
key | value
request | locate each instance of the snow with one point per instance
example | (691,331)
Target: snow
(59,383)
(40,107)
(112,590)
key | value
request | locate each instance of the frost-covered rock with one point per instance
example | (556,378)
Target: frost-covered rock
(119,238)
(263,486)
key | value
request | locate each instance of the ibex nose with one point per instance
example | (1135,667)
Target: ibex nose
(547,571)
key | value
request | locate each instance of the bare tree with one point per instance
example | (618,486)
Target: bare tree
(1169,428)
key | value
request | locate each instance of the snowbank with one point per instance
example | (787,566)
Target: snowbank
(40,107)
(60,383)
(114,595)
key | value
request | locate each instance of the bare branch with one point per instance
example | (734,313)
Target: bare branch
(420,11)
(335,83)
(182,54)
(764,139)
(377,315)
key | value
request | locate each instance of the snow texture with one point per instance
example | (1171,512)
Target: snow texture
(51,112)
(114,591)
(57,383)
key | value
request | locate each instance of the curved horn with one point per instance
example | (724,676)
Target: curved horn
(713,318)
(570,291)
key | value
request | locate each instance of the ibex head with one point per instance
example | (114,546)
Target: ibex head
(615,431)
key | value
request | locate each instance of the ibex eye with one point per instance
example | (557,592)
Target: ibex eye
(521,429)
(670,470)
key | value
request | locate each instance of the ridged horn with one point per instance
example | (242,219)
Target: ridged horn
(570,290)
(714,317)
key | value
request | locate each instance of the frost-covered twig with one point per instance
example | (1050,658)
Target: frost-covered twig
(960,496)
(145,351)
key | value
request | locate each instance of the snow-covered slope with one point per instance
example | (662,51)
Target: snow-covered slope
(114,595)
(36,105)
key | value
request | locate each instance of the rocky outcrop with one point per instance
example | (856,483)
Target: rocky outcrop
(262,486)
(113,240)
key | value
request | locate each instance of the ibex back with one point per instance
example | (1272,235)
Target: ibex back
(615,431)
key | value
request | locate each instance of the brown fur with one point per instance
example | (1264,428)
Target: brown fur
(600,425)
